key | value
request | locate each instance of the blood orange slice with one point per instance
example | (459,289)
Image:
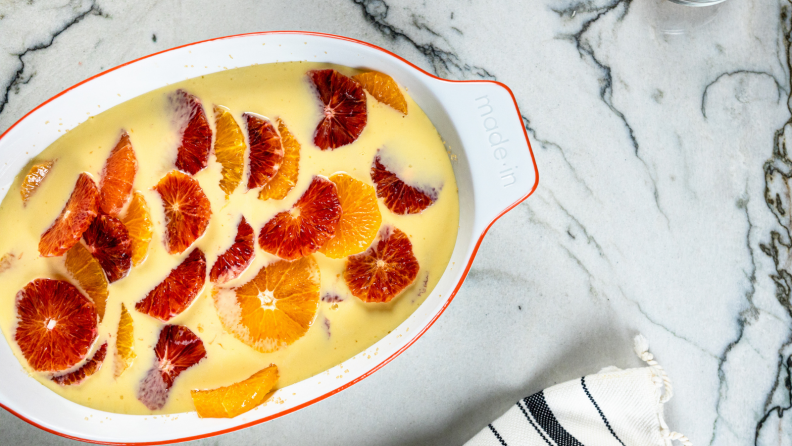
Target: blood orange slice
(178,349)
(174,294)
(275,308)
(400,197)
(34,178)
(310,223)
(89,368)
(108,241)
(344,109)
(56,324)
(125,343)
(89,274)
(118,174)
(74,219)
(229,149)
(138,222)
(196,135)
(383,88)
(266,150)
(384,270)
(236,399)
(286,177)
(232,263)
(360,218)
(187,210)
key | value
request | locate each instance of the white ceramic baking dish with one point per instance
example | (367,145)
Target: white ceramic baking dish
(479,120)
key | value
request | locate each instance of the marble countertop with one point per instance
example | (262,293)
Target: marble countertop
(663,207)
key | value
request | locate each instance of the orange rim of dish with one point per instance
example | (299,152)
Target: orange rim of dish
(384,361)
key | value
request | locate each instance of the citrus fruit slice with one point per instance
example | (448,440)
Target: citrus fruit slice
(125,343)
(56,324)
(230,264)
(118,174)
(286,177)
(266,150)
(89,274)
(308,225)
(138,223)
(108,241)
(89,368)
(74,219)
(383,88)
(187,210)
(177,349)
(400,197)
(384,270)
(344,109)
(196,135)
(34,178)
(360,218)
(275,308)
(236,399)
(229,149)
(174,294)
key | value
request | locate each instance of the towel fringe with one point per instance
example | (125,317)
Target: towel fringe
(641,346)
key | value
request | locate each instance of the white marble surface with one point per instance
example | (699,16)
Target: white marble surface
(663,206)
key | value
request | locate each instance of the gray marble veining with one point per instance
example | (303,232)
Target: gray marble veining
(664,205)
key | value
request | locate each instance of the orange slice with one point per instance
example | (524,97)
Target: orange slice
(118,174)
(34,178)
(384,270)
(90,367)
(108,241)
(275,308)
(177,349)
(343,106)
(236,399)
(286,177)
(229,149)
(196,135)
(125,343)
(56,324)
(89,274)
(138,223)
(174,294)
(187,210)
(308,225)
(383,88)
(266,150)
(232,263)
(74,219)
(400,197)
(360,218)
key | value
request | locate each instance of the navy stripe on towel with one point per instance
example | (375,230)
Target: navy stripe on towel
(538,431)
(596,406)
(538,407)
(497,435)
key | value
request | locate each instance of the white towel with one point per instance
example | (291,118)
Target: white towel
(611,408)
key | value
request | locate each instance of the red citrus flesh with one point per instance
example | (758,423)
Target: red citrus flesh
(174,294)
(89,368)
(187,210)
(74,219)
(310,223)
(118,174)
(56,324)
(177,350)
(196,140)
(400,197)
(384,270)
(344,109)
(266,150)
(230,264)
(108,241)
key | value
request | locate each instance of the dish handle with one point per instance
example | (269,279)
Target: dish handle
(496,145)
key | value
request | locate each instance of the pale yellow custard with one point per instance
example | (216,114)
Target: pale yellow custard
(410,144)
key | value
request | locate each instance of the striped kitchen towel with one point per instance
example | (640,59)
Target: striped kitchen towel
(612,408)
